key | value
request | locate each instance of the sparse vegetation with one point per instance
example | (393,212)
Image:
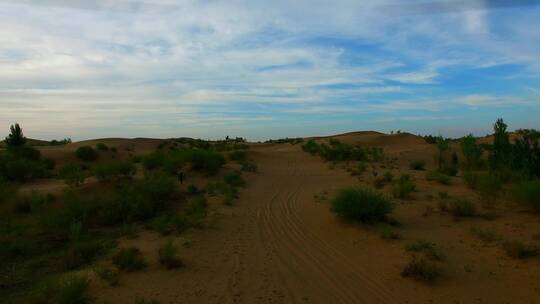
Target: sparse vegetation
(528,192)
(439,177)
(129,259)
(519,250)
(108,275)
(361,204)
(73,175)
(168,256)
(429,249)
(403,187)
(86,153)
(421,269)
(417,165)
(114,169)
(386,232)
(462,208)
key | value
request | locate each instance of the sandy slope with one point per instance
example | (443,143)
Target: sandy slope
(279,244)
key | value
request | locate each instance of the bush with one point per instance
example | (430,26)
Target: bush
(72,174)
(234,179)
(153,160)
(238,155)
(114,169)
(364,205)
(230,193)
(7,190)
(421,269)
(450,170)
(196,208)
(439,177)
(417,165)
(403,187)
(86,153)
(311,147)
(102,147)
(387,233)
(248,166)
(519,250)
(110,276)
(462,208)
(485,235)
(205,160)
(428,248)
(20,169)
(529,193)
(30,203)
(168,256)
(84,253)
(129,259)
(74,290)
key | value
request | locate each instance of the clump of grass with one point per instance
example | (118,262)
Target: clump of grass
(108,275)
(168,256)
(421,269)
(438,176)
(528,192)
(403,187)
(248,166)
(429,249)
(234,179)
(361,204)
(462,208)
(519,250)
(485,235)
(129,259)
(418,165)
(386,232)
(70,290)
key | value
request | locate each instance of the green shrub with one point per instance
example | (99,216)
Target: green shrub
(518,250)
(102,147)
(248,166)
(109,275)
(449,170)
(114,169)
(485,235)
(169,223)
(168,256)
(86,153)
(364,205)
(16,137)
(18,169)
(30,203)
(205,160)
(439,177)
(311,147)
(428,248)
(386,232)
(230,193)
(196,208)
(153,160)
(234,179)
(129,259)
(72,174)
(238,155)
(421,269)
(7,190)
(528,192)
(74,290)
(462,208)
(403,187)
(417,165)
(84,253)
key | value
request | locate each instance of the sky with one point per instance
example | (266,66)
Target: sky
(267,69)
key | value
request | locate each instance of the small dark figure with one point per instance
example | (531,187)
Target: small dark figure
(181,177)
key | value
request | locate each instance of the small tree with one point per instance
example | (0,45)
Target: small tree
(501,145)
(16,137)
(471,150)
(443,145)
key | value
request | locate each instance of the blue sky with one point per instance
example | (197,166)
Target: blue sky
(267,69)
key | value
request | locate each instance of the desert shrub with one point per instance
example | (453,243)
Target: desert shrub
(249,166)
(484,235)
(108,275)
(238,155)
(14,168)
(102,147)
(421,269)
(168,256)
(386,232)
(73,290)
(72,174)
(417,165)
(30,203)
(428,248)
(24,152)
(438,176)
(16,137)
(471,151)
(518,250)
(403,187)
(528,192)
(230,193)
(129,259)
(311,147)
(7,190)
(364,205)
(192,189)
(462,208)
(234,179)
(82,253)
(169,223)
(196,208)
(114,169)
(206,160)
(86,153)
(153,160)
(449,169)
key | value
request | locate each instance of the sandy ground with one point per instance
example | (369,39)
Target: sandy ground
(279,243)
